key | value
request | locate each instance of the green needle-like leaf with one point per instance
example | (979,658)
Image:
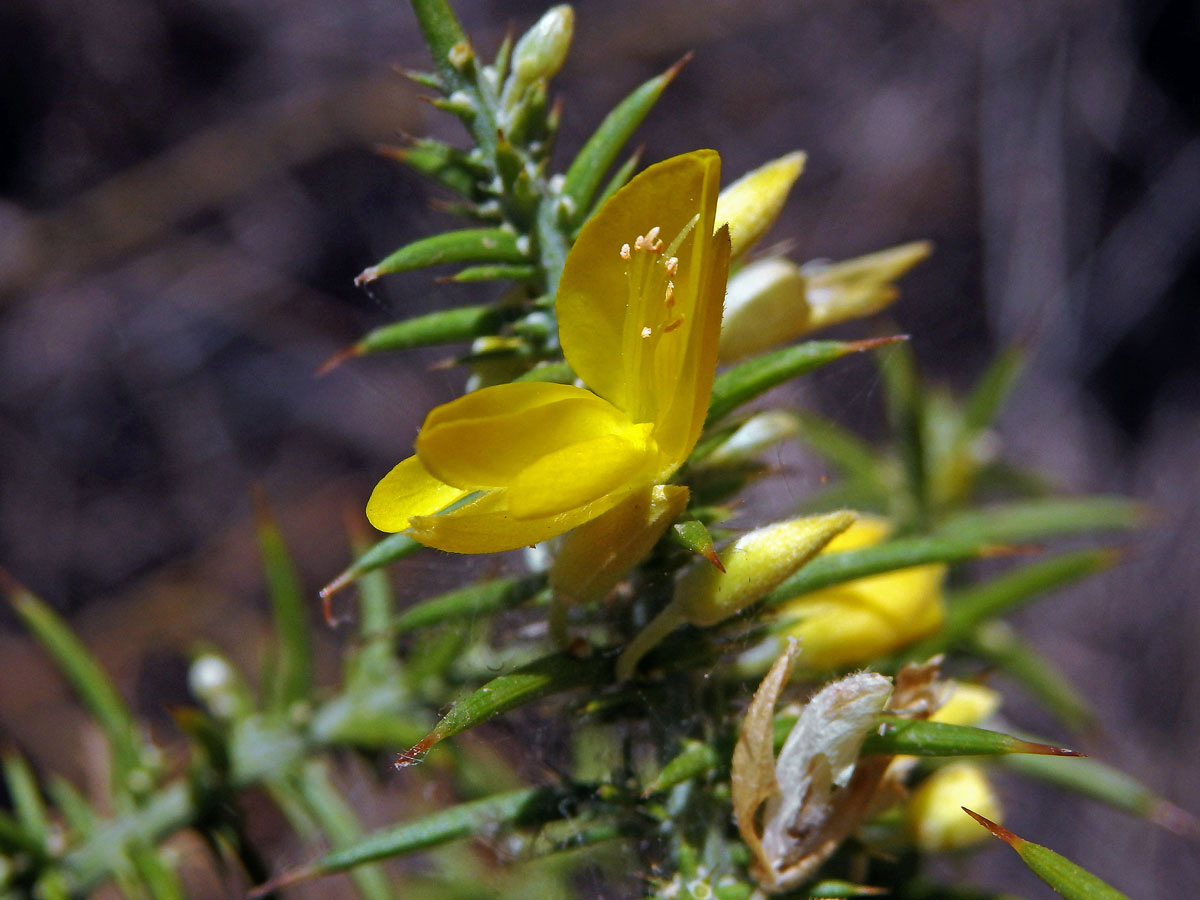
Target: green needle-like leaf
(587,169)
(997,643)
(498,272)
(84,674)
(836,889)
(916,737)
(623,174)
(440,162)
(697,758)
(529,806)
(469,245)
(985,401)
(973,606)
(26,798)
(849,454)
(906,412)
(392,548)
(1032,520)
(1101,782)
(835,568)
(549,675)
(756,376)
(1069,879)
(292,676)
(482,599)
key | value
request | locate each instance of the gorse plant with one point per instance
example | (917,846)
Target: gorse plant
(749,708)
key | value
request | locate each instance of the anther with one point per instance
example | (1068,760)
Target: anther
(647,331)
(670,295)
(652,235)
(625,254)
(672,265)
(674,324)
(640,243)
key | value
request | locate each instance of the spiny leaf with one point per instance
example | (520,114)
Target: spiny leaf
(985,401)
(744,382)
(916,737)
(528,806)
(446,326)
(693,535)
(619,178)
(973,606)
(1105,784)
(1031,520)
(391,549)
(1069,879)
(997,643)
(482,599)
(499,272)
(292,676)
(697,758)
(549,675)
(440,162)
(89,681)
(906,412)
(847,565)
(26,798)
(480,245)
(588,168)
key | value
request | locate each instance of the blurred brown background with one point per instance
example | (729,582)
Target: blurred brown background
(187,189)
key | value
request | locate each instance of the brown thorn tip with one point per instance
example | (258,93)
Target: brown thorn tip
(9,585)
(337,584)
(711,555)
(998,830)
(1174,819)
(872,343)
(675,69)
(338,358)
(415,754)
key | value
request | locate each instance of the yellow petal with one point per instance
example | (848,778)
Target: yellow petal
(935,810)
(408,490)
(685,398)
(751,204)
(582,472)
(596,555)
(487,526)
(601,319)
(488,438)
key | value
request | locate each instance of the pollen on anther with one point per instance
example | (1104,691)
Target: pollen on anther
(674,324)
(640,243)
(652,235)
(672,265)
(625,254)
(670,294)
(647,331)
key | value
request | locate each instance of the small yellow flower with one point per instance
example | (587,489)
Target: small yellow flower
(935,814)
(639,313)
(867,618)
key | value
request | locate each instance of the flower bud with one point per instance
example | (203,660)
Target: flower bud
(867,618)
(755,564)
(773,301)
(935,810)
(540,52)
(751,204)
(760,432)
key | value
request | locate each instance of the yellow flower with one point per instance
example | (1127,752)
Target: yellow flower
(867,618)
(639,313)
(935,810)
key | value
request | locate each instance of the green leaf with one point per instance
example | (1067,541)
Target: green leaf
(152,869)
(85,676)
(997,643)
(291,680)
(916,737)
(756,376)
(619,178)
(440,162)
(1069,879)
(836,568)
(971,607)
(985,401)
(528,806)
(556,372)
(500,272)
(391,549)
(697,758)
(851,456)
(483,599)
(336,818)
(834,889)
(1105,784)
(693,535)
(907,417)
(549,675)
(26,798)
(73,806)
(588,167)
(16,838)
(474,245)
(1032,520)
